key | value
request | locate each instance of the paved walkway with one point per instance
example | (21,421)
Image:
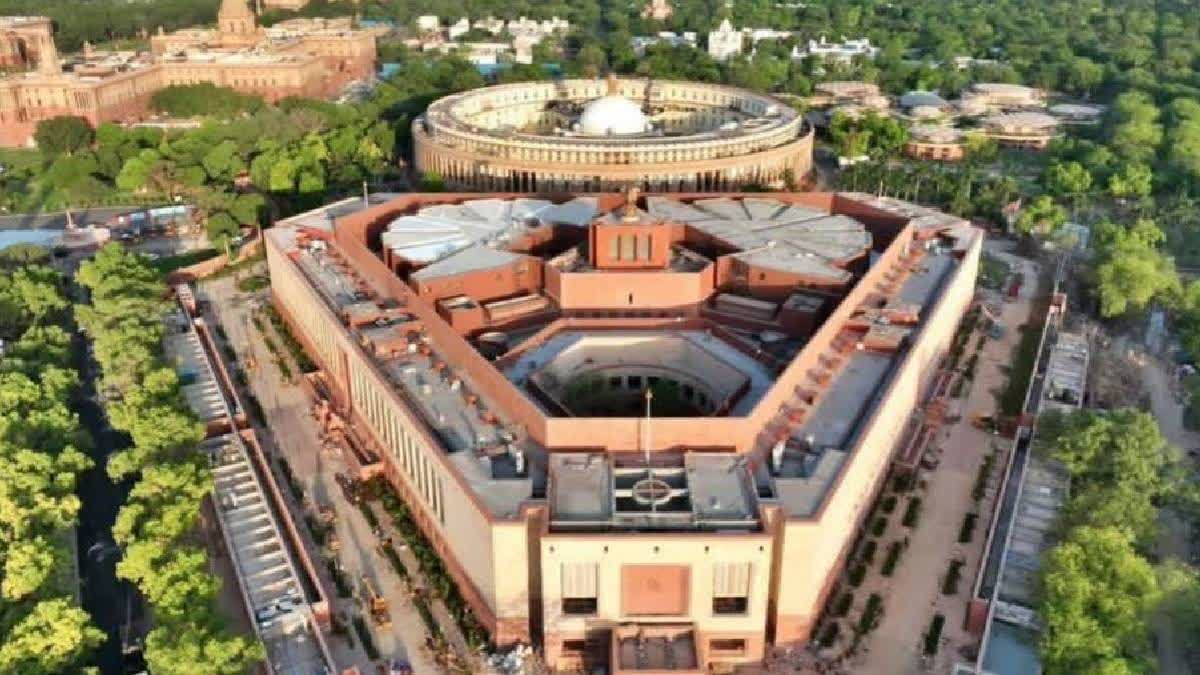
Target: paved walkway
(913,595)
(293,433)
(1173,541)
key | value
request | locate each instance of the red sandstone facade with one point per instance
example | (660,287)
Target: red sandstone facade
(746,570)
(312,59)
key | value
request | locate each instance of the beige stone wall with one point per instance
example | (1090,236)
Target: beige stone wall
(698,553)
(487,558)
(813,549)
(460,139)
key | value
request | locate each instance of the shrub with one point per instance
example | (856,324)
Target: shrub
(879,526)
(868,552)
(870,616)
(912,513)
(967,532)
(339,579)
(889,504)
(950,583)
(397,564)
(368,513)
(856,574)
(829,634)
(903,482)
(364,636)
(294,485)
(956,389)
(969,368)
(893,557)
(933,636)
(842,606)
(253,283)
(981,478)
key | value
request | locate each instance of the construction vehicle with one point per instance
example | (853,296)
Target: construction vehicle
(377,604)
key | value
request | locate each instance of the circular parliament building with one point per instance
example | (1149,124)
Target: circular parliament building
(592,136)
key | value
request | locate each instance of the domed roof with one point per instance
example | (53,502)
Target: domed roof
(612,115)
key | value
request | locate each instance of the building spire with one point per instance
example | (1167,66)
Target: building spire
(630,213)
(614,87)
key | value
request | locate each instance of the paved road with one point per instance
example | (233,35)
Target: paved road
(58,221)
(109,600)
(1173,541)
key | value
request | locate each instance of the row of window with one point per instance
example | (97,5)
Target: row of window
(631,247)
(411,456)
(730,588)
(716,646)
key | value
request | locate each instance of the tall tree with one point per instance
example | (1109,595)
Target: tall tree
(63,135)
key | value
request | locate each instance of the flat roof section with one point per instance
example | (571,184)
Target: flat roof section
(196,378)
(1012,650)
(704,491)
(270,581)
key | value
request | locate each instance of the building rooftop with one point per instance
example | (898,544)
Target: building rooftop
(1023,120)
(444,232)
(594,490)
(770,233)
(914,99)
(500,462)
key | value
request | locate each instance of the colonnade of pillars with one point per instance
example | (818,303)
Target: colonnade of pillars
(470,176)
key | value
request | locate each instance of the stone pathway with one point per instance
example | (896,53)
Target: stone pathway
(913,595)
(293,433)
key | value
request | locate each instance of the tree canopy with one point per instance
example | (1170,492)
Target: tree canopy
(1130,269)
(154,527)
(62,135)
(41,449)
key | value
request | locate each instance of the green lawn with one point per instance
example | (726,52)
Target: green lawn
(15,159)
(169,264)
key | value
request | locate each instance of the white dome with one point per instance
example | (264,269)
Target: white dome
(612,115)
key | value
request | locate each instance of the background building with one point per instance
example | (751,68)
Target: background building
(302,57)
(588,136)
(724,42)
(495,353)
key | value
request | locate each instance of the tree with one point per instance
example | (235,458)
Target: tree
(1135,127)
(1096,595)
(204,99)
(1183,140)
(63,135)
(1130,269)
(50,639)
(1132,181)
(1042,217)
(1180,585)
(224,162)
(592,60)
(1068,179)
(221,229)
(190,647)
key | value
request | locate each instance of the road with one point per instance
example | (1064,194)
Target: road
(1174,538)
(109,600)
(58,221)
